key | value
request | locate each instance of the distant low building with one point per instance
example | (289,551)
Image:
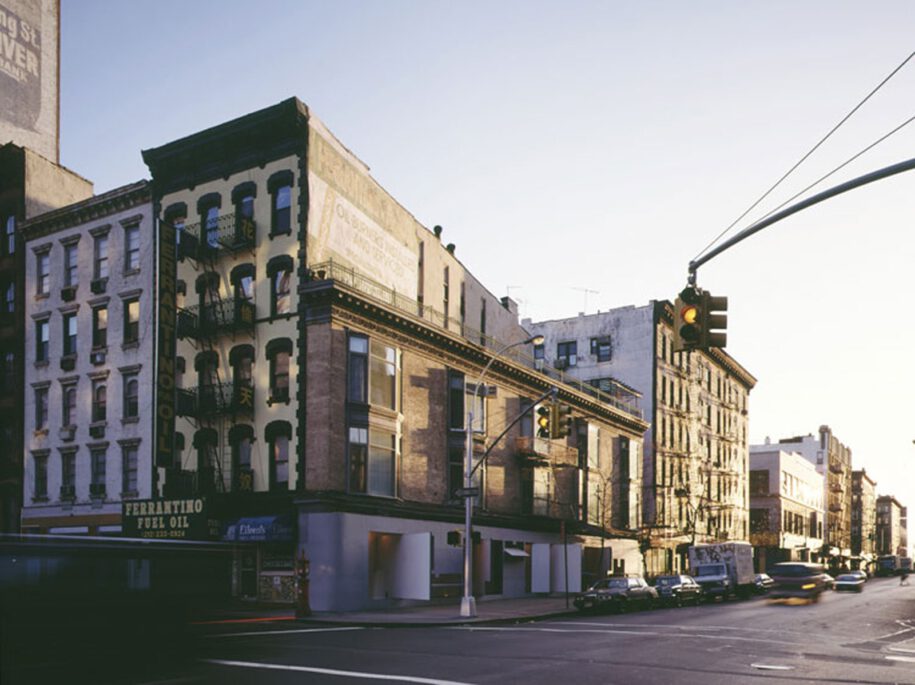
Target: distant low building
(863,519)
(786,507)
(891,538)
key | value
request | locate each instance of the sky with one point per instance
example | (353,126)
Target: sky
(580,154)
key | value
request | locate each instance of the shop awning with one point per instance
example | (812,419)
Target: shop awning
(279,528)
(515,552)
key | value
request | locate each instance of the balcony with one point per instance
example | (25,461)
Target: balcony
(216,318)
(216,399)
(229,235)
(835,466)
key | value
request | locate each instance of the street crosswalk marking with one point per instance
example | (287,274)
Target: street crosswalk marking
(333,671)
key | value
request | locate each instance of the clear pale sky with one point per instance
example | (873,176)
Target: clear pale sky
(582,145)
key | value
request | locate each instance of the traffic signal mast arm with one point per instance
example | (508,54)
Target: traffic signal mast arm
(548,393)
(878,175)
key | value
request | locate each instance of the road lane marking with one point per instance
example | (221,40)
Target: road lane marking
(772,667)
(909,659)
(332,671)
(285,632)
(520,629)
(901,649)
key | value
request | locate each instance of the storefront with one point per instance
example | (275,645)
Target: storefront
(264,565)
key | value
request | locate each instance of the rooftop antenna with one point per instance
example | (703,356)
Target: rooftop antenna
(586,291)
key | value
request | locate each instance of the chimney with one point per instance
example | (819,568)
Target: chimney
(438,232)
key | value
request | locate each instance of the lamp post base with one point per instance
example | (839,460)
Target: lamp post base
(468,607)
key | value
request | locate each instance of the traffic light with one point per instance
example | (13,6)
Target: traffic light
(688,319)
(562,421)
(544,419)
(714,321)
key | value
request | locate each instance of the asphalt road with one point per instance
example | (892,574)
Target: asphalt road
(845,638)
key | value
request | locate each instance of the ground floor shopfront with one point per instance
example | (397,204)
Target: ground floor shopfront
(361,561)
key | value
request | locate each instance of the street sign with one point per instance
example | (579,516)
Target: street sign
(467,492)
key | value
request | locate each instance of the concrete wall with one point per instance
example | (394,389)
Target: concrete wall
(49,186)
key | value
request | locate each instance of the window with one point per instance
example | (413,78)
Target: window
(446,293)
(41,477)
(600,348)
(279,352)
(69,405)
(538,351)
(281,298)
(372,372)
(567,352)
(132,248)
(100,327)
(240,438)
(205,441)
(371,461)
(70,329)
(10,229)
(43,273)
(100,256)
(98,458)
(71,264)
(99,400)
(280,187)
(132,320)
(278,434)
(41,409)
(129,468)
(456,459)
(241,358)
(456,418)
(9,298)
(243,199)
(482,321)
(131,395)
(67,472)
(210,222)
(42,336)
(242,278)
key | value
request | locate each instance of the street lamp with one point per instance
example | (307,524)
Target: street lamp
(468,603)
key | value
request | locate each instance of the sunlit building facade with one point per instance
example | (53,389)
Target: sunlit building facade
(863,519)
(89,337)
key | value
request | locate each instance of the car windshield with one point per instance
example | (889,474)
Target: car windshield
(796,571)
(848,576)
(710,570)
(667,580)
(610,583)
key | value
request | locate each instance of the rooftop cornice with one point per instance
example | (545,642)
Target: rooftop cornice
(85,211)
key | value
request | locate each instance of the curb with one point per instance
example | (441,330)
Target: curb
(439,623)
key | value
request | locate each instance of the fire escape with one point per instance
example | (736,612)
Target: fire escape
(215,405)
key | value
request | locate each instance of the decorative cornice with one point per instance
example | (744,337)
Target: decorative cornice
(91,209)
(330,300)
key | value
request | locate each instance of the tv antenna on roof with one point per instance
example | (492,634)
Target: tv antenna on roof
(586,291)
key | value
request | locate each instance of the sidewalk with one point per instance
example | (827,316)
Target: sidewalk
(488,611)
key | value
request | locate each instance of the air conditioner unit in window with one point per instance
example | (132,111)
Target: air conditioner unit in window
(97,358)
(67,433)
(97,489)
(98,285)
(97,431)
(68,363)
(68,294)
(561,363)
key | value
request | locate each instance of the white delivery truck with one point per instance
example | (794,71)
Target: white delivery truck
(723,569)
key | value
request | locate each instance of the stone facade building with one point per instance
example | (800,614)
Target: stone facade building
(89,349)
(786,507)
(696,459)
(29,185)
(324,350)
(863,519)
(891,535)
(833,460)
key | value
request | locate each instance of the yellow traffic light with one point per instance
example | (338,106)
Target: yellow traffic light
(544,412)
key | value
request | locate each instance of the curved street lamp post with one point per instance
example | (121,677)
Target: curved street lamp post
(468,602)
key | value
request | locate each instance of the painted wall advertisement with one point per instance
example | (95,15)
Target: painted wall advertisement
(29,74)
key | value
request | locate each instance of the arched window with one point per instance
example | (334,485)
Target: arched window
(279,271)
(278,435)
(279,352)
(241,358)
(208,207)
(280,187)
(69,406)
(243,198)
(206,364)
(206,444)
(10,235)
(241,438)
(99,401)
(242,279)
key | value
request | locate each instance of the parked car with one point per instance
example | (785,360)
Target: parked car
(798,579)
(617,594)
(851,582)
(678,590)
(764,583)
(828,581)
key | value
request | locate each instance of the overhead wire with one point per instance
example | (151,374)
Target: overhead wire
(807,155)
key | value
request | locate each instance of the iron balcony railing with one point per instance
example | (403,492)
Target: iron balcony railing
(227,235)
(215,399)
(215,318)
(334,271)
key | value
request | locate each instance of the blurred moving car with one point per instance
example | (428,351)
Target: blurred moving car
(617,594)
(798,579)
(859,573)
(764,583)
(678,590)
(828,581)
(849,582)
